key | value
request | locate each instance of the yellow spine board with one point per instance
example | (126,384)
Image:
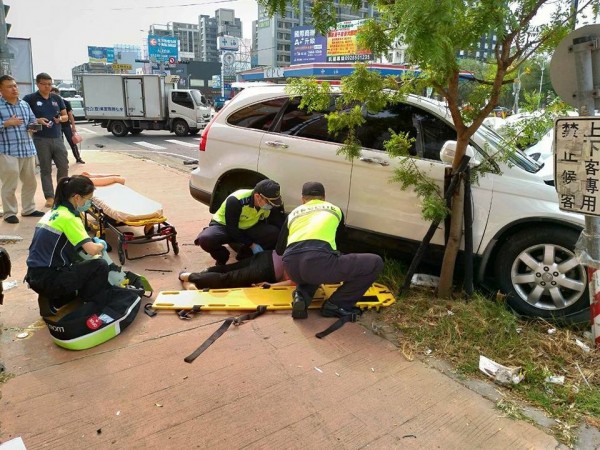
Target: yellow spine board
(275,298)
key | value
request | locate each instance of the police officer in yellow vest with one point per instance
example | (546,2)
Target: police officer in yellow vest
(310,257)
(249,217)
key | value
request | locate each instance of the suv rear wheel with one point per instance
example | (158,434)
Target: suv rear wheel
(540,273)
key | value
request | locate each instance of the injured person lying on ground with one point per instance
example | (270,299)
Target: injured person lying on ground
(262,268)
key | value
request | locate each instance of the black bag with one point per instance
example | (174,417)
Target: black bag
(78,325)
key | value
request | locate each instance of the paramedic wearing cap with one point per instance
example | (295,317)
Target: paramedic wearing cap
(250,217)
(307,242)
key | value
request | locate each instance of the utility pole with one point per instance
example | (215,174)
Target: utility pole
(5,55)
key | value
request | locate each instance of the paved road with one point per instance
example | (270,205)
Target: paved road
(160,146)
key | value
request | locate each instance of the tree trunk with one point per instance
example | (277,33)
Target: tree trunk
(454,239)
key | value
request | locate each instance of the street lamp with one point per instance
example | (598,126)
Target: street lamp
(542,67)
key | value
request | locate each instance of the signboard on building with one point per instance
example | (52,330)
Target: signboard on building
(340,44)
(228,43)
(101,55)
(577,164)
(308,46)
(161,48)
(118,67)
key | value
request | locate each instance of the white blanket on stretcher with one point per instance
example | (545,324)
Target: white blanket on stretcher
(123,204)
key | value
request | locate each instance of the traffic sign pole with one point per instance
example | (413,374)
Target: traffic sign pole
(581,50)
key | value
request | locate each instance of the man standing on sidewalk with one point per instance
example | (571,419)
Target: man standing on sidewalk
(49,141)
(17,152)
(68,128)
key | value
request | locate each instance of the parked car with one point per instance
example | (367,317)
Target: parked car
(78,107)
(523,242)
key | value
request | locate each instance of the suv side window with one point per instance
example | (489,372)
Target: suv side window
(259,116)
(429,131)
(183,99)
(313,125)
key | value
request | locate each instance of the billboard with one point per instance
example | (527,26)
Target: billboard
(308,46)
(339,45)
(161,48)
(101,55)
(22,66)
(342,45)
(228,43)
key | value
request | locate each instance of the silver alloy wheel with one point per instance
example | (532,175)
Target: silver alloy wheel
(548,277)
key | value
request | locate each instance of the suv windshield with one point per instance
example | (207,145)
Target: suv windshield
(517,157)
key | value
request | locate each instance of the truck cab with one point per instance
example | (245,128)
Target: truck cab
(189,111)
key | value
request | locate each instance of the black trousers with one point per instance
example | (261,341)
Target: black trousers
(69,135)
(357,271)
(244,273)
(89,279)
(212,239)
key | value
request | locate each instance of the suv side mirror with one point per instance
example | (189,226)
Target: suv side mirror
(449,150)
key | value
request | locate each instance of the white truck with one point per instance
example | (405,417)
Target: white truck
(132,103)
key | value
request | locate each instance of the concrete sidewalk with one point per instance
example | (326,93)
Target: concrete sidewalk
(268,383)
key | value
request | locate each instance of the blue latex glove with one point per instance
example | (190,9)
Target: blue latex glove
(97,240)
(256,249)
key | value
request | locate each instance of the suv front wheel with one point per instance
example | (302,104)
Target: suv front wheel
(540,273)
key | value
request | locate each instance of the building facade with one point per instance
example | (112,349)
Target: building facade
(188,35)
(224,23)
(272,35)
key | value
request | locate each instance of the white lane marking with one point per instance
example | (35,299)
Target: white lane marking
(134,150)
(149,145)
(196,139)
(85,130)
(185,144)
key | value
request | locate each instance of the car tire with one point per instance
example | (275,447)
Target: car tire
(119,129)
(551,289)
(181,128)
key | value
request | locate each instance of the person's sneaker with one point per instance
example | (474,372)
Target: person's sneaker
(36,213)
(330,309)
(299,306)
(80,161)
(11,219)
(49,202)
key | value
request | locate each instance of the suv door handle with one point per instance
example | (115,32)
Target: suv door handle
(276,144)
(172,110)
(381,162)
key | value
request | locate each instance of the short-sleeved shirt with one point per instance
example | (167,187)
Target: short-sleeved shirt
(57,239)
(16,141)
(48,108)
(68,107)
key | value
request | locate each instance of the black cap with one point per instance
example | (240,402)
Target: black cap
(313,189)
(270,190)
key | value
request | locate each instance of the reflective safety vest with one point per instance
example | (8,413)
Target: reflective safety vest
(249,215)
(316,219)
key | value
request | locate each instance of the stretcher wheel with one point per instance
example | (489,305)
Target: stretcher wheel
(175,246)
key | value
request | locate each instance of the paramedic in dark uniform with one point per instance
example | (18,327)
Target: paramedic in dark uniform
(54,267)
(308,244)
(48,142)
(250,218)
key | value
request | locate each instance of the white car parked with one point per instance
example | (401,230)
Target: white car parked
(523,242)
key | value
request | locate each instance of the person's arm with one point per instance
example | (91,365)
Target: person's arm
(340,233)
(72,120)
(92,249)
(63,109)
(233,210)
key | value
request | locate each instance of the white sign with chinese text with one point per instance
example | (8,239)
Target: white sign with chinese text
(577,164)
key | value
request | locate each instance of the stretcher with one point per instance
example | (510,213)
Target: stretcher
(116,206)
(249,299)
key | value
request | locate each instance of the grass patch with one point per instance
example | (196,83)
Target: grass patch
(461,330)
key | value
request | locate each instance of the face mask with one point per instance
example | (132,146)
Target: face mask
(267,207)
(85,206)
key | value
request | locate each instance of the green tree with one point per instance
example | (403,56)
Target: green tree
(434,31)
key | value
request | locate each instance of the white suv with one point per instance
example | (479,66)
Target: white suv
(523,243)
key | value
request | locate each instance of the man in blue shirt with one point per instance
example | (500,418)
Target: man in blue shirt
(17,152)
(48,142)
